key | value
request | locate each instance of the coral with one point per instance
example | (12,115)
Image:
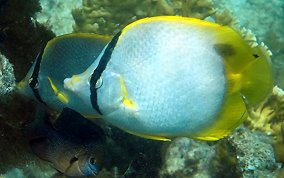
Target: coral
(225,18)
(7,78)
(253,153)
(269,116)
(108,17)
(56,14)
(187,157)
(193,8)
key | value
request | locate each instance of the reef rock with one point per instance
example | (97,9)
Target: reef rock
(187,157)
(56,14)
(249,153)
(245,154)
(7,78)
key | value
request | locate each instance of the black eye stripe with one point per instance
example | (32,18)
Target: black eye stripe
(92,161)
(99,70)
(74,159)
(34,78)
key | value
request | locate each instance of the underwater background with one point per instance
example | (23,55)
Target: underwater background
(256,149)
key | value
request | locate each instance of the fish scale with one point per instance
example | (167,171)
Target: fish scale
(161,72)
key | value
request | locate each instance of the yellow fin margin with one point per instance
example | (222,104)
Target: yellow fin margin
(231,116)
(179,19)
(152,137)
(50,43)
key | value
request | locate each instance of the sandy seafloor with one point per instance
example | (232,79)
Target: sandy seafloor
(26,25)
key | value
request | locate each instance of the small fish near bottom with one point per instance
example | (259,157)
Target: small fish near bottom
(73,144)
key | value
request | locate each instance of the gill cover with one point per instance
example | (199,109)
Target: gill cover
(170,76)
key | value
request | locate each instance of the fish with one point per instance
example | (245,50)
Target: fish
(72,144)
(62,57)
(169,76)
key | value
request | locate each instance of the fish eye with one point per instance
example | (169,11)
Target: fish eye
(93,166)
(92,161)
(255,55)
(99,82)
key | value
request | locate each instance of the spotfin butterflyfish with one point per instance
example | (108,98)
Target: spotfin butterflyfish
(168,76)
(63,57)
